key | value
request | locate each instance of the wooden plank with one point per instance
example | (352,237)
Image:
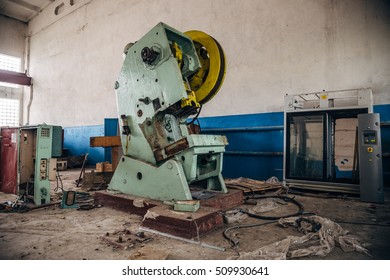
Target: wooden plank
(105,141)
(249,185)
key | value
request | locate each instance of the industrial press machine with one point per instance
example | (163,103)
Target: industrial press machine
(167,76)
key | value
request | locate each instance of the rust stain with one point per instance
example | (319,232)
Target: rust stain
(176,147)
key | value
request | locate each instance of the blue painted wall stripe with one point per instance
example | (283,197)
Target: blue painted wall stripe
(77,139)
(255,147)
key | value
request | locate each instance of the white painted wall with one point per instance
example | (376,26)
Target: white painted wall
(12,36)
(273,47)
(12,42)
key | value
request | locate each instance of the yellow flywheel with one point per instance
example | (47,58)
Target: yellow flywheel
(208,80)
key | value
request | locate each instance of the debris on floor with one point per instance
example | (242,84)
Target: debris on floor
(234,216)
(266,205)
(18,205)
(253,186)
(125,239)
(147,253)
(63,232)
(74,161)
(320,237)
(78,200)
(96,181)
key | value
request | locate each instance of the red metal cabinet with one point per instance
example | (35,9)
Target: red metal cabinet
(9,160)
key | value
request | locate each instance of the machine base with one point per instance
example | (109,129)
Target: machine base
(183,224)
(124,203)
(166,182)
(139,178)
(161,217)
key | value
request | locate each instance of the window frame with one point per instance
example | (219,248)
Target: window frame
(10,63)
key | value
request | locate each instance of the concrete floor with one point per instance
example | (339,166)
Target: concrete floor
(54,233)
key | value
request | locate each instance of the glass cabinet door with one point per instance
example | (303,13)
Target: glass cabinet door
(305,137)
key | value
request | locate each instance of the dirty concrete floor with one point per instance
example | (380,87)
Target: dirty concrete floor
(54,233)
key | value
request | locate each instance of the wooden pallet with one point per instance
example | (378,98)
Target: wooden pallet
(251,186)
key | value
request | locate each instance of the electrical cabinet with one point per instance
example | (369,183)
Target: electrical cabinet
(370,158)
(36,147)
(27,160)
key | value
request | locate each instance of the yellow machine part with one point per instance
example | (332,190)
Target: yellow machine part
(190,101)
(177,53)
(208,80)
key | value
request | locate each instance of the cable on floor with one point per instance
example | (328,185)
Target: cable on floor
(273,218)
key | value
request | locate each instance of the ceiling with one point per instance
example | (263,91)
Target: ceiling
(23,10)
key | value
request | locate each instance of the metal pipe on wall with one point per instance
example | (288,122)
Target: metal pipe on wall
(27,69)
(29,104)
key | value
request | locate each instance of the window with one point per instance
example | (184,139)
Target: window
(9,63)
(9,112)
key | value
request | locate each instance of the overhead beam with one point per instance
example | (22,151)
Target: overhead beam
(26,5)
(23,19)
(15,78)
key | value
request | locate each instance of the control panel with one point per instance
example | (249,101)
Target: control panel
(370,158)
(43,169)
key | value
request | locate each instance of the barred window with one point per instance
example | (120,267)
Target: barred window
(10,63)
(9,112)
